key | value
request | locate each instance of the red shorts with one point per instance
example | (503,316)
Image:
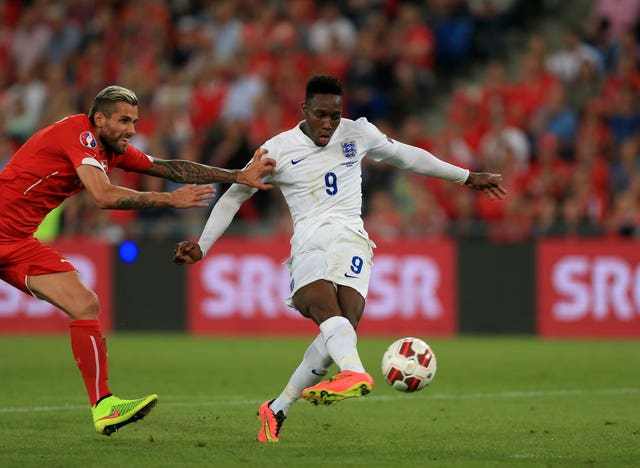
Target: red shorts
(29,257)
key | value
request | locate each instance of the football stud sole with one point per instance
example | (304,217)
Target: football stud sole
(108,430)
(328,398)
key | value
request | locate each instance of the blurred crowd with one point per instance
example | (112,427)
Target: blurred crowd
(216,79)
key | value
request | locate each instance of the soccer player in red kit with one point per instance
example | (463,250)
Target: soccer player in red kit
(59,161)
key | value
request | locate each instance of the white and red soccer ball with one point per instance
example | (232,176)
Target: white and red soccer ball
(409,364)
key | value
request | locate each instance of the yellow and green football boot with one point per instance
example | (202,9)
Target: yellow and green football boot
(111,413)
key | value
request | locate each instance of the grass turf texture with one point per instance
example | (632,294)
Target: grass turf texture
(495,401)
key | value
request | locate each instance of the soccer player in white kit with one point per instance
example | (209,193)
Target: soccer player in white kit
(318,170)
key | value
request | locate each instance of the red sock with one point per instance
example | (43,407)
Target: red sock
(90,352)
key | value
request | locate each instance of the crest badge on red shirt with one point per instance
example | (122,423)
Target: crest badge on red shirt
(87,139)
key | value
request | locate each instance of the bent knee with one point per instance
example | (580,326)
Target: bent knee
(85,307)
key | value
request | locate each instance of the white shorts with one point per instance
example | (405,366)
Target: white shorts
(334,253)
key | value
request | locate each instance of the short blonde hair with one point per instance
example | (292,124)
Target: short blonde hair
(105,100)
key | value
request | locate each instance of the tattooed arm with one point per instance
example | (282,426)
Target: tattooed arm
(113,197)
(189,172)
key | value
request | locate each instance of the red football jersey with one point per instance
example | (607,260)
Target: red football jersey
(42,173)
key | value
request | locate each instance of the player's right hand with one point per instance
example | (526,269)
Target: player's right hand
(488,183)
(192,196)
(187,252)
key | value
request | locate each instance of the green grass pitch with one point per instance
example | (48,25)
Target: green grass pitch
(495,401)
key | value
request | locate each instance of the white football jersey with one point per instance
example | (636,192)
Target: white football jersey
(324,183)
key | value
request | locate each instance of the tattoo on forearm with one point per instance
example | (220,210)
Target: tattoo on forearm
(189,172)
(138,202)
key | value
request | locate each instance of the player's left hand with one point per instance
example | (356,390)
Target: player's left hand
(490,184)
(187,252)
(257,168)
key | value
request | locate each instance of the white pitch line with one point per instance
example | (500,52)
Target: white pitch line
(399,396)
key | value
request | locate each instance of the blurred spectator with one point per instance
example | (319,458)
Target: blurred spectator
(270,29)
(65,34)
(615,16)
(207,97)
(531,87)
(585,88)
(453,29)
(625,215)
(331,25)
(565,63)
(625,76)
(465,223)
(490,21)
(495,90)
(574,221)
(365,80)
(425,217)
(22,105)
(31,36)
(592,125)
(623,117)
(537,47)
(412,51)
(586,198)
(468,115)
(190,45)
(382,219)
(545,214)
(173,93)
(60,96)
(170,111)
(414,40)
(555,116)
(412,131)
(625,167)
(516,223)
(243,91)
(288,83)
(271,116)
(451,146)
(334,61)
(504,146)
(589,159)
(627,46)
(224,30)
(549,174)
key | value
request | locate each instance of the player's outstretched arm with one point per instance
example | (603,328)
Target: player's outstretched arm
(490,184)
(189,172)
(187,252)
(113,197)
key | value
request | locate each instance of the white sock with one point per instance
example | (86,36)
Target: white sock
(312,369)
(340,339)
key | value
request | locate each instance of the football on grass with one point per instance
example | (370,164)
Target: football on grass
(409,365)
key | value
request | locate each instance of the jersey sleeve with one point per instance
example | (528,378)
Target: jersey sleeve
(134,160)
(72,136)
(383,148)
(223,213)
(379,145)
(272,152)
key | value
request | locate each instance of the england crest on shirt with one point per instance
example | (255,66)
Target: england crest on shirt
(349,149)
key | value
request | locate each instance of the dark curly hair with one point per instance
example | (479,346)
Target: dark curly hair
(322,84)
